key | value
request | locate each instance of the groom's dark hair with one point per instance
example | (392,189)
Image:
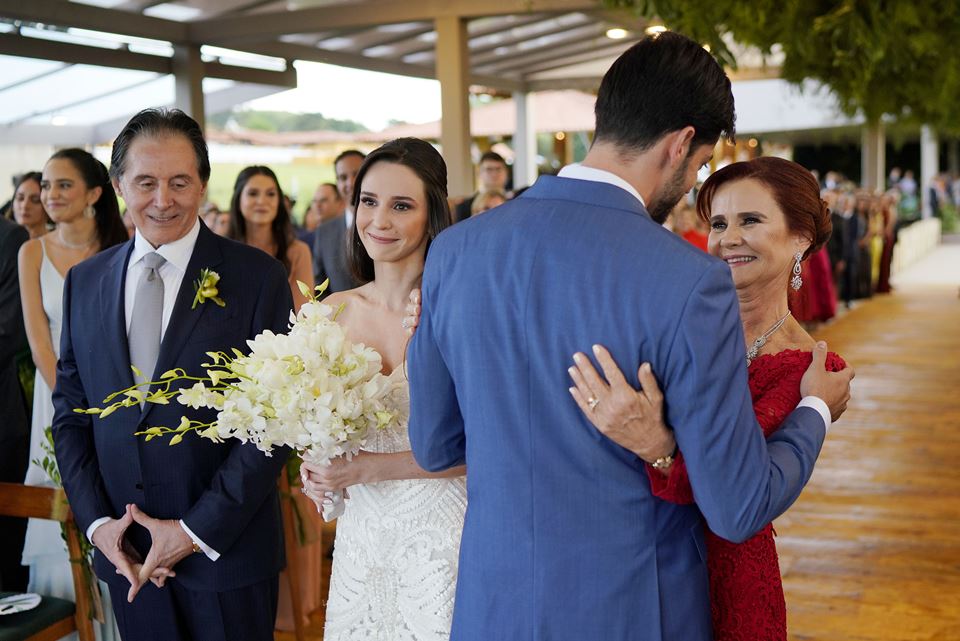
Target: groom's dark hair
(662,84)
(158,123)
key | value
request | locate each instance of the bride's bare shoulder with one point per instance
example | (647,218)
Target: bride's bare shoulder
(349,300)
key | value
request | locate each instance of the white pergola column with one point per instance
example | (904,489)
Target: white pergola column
(524,141)
(188,71)
(453,72)
(929,166)
(873,157)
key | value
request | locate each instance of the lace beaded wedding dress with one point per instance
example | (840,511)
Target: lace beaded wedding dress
(395,556)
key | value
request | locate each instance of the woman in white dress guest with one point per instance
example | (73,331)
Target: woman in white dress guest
(395,555)
(77,195)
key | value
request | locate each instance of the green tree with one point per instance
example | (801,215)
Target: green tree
(284,121)
(880,57)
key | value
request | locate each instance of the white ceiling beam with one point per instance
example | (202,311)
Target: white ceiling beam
(384,65)
(13,45)
(264,26)
(73,14)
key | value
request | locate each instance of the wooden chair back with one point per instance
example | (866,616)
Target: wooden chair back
(25,501)
(290,545)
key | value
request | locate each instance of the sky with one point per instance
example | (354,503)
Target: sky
(368,97)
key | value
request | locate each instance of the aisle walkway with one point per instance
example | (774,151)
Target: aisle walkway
(871,551)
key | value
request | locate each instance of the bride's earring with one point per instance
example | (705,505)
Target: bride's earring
(796,282)
(89,211)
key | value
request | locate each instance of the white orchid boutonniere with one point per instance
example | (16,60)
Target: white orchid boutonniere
(206,288)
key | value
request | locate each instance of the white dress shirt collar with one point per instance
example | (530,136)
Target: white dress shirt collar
(177,253)
(579,172)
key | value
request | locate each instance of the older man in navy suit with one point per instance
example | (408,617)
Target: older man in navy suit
(563,539)
(188,537)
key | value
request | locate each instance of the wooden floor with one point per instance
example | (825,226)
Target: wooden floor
(871,551)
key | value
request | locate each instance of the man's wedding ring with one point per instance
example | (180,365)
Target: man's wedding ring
(592,402)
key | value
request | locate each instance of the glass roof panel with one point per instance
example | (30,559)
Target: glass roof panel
(17,70)
(60,91)
(155,92)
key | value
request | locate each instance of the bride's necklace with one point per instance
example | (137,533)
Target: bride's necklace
(762,340)
(70,245)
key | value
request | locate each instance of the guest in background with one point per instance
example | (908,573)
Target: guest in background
(689,226)
(331,238)
(888,204)
(77,195)
(208,214)
(259,218)
(492,174)
(221,224)
(27,209)
(14,428)
(326,205)
(864,275)
(835,246)
(486,200)
(128,225)
(853,232)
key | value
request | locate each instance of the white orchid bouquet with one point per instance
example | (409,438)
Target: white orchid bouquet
(310,389)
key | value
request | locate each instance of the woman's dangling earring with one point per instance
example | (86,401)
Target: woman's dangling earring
(797,282)
(89,211)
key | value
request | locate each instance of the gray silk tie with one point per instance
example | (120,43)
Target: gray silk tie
(145,324)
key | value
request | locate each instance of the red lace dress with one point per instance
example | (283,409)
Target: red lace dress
(746,591)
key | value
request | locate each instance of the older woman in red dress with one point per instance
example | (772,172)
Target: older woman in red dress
(765,218)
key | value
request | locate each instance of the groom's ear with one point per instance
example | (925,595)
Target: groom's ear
(682,145)
(116,186)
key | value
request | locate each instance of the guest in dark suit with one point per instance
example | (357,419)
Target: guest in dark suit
(325,205)
(189,538)
(330,239)
(837,242)
(14,428)
(493,174)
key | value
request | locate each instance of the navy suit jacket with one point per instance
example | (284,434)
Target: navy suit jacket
(563,539)
(225,493)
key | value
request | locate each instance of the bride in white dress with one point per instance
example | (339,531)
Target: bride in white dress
(395,554)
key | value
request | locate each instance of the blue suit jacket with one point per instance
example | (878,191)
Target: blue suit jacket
(225,493)
(563,539)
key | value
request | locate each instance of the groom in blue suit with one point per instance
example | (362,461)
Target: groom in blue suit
(189,537)
(563,539)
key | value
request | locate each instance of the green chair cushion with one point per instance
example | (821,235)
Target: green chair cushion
(19,626)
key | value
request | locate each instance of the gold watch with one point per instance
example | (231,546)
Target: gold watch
(664,462)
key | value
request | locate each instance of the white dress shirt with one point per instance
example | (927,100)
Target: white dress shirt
(579,172)
(172,272)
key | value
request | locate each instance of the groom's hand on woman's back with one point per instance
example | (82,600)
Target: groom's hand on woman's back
(831,387)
